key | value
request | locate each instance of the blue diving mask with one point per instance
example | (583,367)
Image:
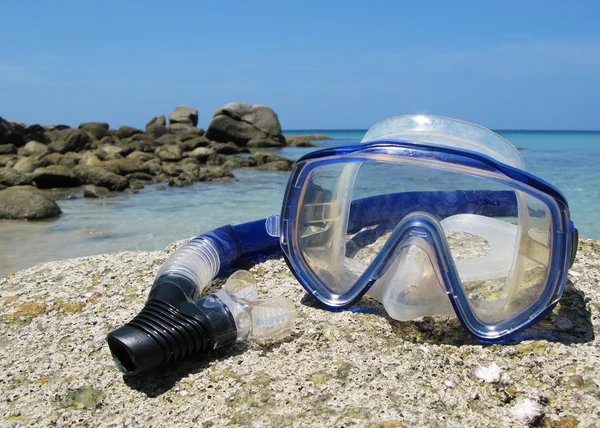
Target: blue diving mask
(429,216)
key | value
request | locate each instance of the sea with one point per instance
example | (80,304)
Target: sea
(160,215)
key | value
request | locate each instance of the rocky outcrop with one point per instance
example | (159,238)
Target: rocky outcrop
(26,203)
(56,156)
(240,123)
(184,115)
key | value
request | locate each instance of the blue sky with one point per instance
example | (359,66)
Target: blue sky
(318,64)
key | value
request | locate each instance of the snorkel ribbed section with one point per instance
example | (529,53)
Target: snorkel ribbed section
(197,261)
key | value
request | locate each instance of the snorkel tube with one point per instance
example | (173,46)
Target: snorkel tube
(175,323)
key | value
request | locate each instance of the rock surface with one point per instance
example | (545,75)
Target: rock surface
(349,368)
(240,123)
(26,203)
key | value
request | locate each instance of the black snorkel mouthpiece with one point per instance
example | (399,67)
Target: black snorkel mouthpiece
(170,328)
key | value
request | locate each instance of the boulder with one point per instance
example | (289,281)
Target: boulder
(281,165)
(154,165)
(156,130)
(216,174)
(263,158)
(263,142)
(54,176)
(157,120)
(306,137)
(50,128)
(91,191)
(100,177)
(169,153)
(185,115)
(136,137)
(171,169)
(141,176)
(5,128)
(141,156)
(8,160)
(11,177)
(190,144)
(7,149)
(36,133)
(182,128)
(69,160)
(26,165)
(127,131)
(33,147)
(225,148)
(240,123)
(110,152)
(27,203)
(146,146)
(202,153)
(295,142)
(10,133)
(125,166)
(90,159)
(108,140)
(237,162)
(167,139)
(216,159)
(97,130)
(74,140)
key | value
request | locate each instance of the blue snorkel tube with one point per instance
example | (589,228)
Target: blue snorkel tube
(175,323)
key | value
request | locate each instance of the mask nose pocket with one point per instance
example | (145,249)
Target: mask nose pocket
(410,287)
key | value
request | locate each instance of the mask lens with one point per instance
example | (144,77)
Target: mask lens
(498,237)
(502,280)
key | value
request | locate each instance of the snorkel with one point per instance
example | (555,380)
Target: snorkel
(177,323)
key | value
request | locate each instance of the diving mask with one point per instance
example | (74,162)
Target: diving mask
(428,216)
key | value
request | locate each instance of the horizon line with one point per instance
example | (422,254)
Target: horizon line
(493,130)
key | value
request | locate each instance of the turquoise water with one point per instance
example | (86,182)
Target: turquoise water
(154,218)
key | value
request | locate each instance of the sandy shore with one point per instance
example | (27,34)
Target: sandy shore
(337,369)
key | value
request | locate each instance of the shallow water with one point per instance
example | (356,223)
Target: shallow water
(154,218)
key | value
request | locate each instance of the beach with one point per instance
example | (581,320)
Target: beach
(351,368)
